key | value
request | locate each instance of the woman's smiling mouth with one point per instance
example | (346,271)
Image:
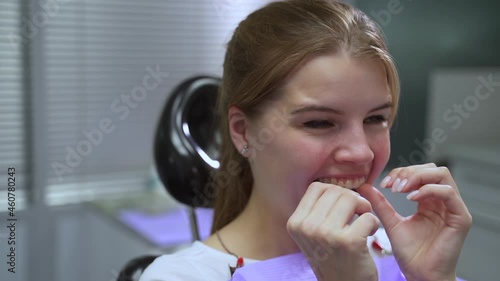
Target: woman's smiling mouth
(349,183)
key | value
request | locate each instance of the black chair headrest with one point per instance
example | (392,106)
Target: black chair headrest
(187,141)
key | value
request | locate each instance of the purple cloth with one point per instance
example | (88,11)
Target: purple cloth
(295,267)
(170,228)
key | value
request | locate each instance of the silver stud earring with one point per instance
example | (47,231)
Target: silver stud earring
(245,150)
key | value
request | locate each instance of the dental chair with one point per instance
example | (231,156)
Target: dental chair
(186,152)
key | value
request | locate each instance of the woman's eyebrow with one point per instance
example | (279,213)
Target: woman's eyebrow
(383,106)
(318,108)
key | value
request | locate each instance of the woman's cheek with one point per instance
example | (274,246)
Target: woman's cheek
(303,150)
(382,150)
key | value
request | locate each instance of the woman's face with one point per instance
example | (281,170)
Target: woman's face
(330,124)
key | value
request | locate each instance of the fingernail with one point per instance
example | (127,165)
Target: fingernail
(385,181)
(401,185)
(412,194)
(395,184)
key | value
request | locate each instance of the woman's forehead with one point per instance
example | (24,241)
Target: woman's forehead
(337,80)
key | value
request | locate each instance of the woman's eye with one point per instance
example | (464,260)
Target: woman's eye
(376,119)
(318,124)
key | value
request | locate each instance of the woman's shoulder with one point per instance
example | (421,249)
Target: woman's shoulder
(197,262)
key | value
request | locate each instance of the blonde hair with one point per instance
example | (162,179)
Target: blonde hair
(265,49)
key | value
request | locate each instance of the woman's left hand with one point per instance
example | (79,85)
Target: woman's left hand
(428,243)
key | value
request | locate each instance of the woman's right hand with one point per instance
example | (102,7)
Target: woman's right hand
(326,229)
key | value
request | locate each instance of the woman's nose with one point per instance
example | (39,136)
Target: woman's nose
(354,148)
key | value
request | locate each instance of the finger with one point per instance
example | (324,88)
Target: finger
(384,210)
(392,178)
(346,207)
(437,175)
(405,172)
(323,206)
(389,178)
(445,193)
(312,194)
(364,226)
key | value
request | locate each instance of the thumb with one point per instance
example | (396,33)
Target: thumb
(384,210)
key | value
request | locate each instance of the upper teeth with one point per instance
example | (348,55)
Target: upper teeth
(345,183)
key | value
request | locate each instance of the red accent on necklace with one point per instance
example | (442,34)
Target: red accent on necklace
(381,250)
(240,262)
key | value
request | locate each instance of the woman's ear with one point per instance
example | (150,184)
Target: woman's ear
(238,127)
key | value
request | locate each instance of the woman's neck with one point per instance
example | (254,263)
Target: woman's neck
(257,233)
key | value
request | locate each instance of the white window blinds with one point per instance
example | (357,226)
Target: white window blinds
(12,103)
(108,68)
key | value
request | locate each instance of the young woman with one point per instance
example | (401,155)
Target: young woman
(308,96)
